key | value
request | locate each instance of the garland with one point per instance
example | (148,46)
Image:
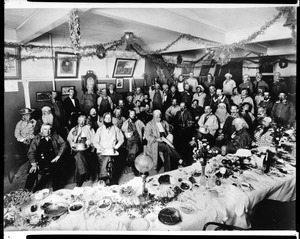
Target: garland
(74,29)
(221,53)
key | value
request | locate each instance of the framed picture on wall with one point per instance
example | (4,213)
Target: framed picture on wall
(119,83)
(43,96)
(66,65)
(65,89)
(187,68)
(12,67)
(124,67)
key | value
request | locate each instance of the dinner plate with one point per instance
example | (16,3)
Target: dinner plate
(42,194)
(188,208)
(169,216)
(139,224)
(104,204)
(185,185)
(55,209)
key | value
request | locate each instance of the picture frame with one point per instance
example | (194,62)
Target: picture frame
(119,83)
(187,68)
(65,89)
(43,96)
(12,69)
(124,67)
(66,65)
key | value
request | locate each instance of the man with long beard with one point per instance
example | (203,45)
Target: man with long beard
(93,119)
(221,114)
(48,118)
(133,129)
(107,141)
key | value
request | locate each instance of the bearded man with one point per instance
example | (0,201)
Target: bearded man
(107,141)
(133,129)
(48,118)
(221,114)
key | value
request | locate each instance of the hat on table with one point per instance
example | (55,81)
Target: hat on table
(26,111)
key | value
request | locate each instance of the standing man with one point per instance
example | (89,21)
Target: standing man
(283,112)
(200,95)
(46,157)
(278,86)
(89,98)
(258,82)
(133,129)
(104,103)
(115,97)
(193,82)
(267,103)
(57,107)
(247,84)
(228,85)
(72,108)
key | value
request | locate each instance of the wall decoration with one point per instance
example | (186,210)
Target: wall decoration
(65,89)
(124,67)
(187,67)
(66,65)
(119,83)
(89,80)
(43,96)
(12,66)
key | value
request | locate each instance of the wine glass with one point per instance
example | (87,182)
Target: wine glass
(223,171)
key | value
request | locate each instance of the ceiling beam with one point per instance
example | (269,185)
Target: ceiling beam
(42,21)
(256,48)
(164,19)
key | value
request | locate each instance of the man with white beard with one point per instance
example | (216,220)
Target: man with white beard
(48,118)
(221,114)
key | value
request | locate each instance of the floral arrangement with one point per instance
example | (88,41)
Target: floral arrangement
(74,29)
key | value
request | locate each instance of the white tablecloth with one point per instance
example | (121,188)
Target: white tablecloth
(224,203)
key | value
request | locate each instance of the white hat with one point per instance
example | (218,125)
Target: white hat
(46,108)
(228,74)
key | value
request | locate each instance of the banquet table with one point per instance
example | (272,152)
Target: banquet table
(225,203)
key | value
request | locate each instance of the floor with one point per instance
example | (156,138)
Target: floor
(268,215)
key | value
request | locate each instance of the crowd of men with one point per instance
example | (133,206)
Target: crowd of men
(166,119)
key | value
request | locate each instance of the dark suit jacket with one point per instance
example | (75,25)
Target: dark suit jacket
(69,107)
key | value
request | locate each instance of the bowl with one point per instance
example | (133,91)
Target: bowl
(76,207)
(185,185)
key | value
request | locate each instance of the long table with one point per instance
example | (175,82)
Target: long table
(224,203)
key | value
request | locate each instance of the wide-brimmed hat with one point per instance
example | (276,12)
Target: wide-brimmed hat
(201,87)
(80,147)
(110,152)
(26,111)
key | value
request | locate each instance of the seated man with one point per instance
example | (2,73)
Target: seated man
(171,111)
(228,129)
(264,133)
(81,133)
(240,139)
(208,122)
(24,133)
(156,132)
(118,118)
(45,157)
(133,129)
(107,137)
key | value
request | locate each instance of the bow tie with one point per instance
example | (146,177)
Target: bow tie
(46,137)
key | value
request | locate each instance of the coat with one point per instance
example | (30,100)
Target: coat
(151,134)
(70,108)
(59,146)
